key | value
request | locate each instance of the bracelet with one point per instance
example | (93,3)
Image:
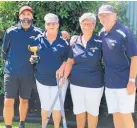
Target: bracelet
(132,80)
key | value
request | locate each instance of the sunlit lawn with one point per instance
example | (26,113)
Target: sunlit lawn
(27,125)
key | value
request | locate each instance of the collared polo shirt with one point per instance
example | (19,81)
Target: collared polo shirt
(86,70)
(15,50)
(52,57)
(118,47)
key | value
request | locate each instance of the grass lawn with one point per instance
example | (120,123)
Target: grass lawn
(27,125)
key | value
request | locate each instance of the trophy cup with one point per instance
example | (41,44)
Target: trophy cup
(34,58)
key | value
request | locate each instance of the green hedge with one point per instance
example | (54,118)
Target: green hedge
(68,12)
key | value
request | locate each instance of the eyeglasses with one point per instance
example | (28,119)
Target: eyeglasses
(48,24)
(87,24)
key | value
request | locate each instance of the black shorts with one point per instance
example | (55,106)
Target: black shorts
(16,86)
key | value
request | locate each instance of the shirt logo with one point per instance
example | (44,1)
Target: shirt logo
(97,40)
(59,45)
(54,49)
(94,49)
(113,42)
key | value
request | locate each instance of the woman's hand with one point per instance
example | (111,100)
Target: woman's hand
(62,81)
(59,76)
(131,88)
(59,73)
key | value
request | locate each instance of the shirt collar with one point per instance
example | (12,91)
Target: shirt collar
(79,40)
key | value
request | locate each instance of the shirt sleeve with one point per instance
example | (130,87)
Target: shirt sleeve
(70,55)
(66,52)
(130,44)
(72,45)
(5,45)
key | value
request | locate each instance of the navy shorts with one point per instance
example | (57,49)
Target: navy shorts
(16,86)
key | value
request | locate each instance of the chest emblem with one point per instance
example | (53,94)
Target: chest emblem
(54,49)
(93,49)
(112,42)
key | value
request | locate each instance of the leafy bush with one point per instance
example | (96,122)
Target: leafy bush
(1,77)
(68,12)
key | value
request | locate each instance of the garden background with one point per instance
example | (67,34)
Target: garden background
(68,13)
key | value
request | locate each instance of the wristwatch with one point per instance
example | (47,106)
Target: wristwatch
(132,80)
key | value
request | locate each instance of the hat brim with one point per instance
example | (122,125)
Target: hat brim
(25,10)
(105,12)
(51,22)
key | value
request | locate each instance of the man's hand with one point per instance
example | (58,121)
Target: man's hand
(31,59)
(34,59)
(131,88)
(65,35)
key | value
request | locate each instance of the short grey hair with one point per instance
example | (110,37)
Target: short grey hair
(89,16)
(51,16)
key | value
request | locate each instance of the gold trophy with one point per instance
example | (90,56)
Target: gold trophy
(34,58)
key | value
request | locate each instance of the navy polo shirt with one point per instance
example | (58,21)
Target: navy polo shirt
(118,46)
(15,50)
(86,71)
(51,58)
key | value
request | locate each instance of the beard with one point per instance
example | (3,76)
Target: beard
(26,21)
